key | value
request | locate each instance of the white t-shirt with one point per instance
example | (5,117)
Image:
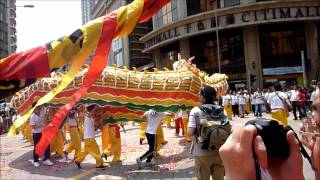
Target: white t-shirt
(227,99)
(153,118)
(71,121)
(36,120)
(275,102)
(88,127)
(241,99)
(294,95)
(266,95)
(259,97)
(234,100)
(253,99)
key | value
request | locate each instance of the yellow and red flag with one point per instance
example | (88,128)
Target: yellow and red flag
(21,69)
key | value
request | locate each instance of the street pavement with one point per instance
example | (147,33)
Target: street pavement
(174,161)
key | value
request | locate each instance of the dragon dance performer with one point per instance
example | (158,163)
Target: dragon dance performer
(168,121)
(248,104)
(178,122)
(227,103)
(80,118)
(115,138)
(160,137)
(105,138)
(185,121)
(37,122)
(142,132)
(26,131)
(90,145)
(58,141)
(152,118)
(75,143)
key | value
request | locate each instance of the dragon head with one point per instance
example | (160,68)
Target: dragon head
(217,80)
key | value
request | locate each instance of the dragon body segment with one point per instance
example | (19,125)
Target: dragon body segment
(130,92)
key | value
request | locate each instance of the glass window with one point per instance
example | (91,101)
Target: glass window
(280,44)
(167,14)
(158,19)
(169,54)
(174,10)
(117,52)
(229,3)
(204,48)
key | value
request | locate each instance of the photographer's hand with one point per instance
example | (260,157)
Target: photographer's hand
(237,154)
(290,168)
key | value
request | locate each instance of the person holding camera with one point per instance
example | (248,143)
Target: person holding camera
(311,138)
(243,146)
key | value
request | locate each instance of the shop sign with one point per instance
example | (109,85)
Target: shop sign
(238,19)
(282,70)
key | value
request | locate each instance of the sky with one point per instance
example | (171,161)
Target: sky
(47,21)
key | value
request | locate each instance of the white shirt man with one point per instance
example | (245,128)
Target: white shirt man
(90,145)
(227,99)
(259,97)
(278,110)
(241,99)
(293,95)
(36,123)
(88,127)
(153,118)
(275,101)
(234,99)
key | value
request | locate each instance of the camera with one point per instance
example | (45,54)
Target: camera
(274,136)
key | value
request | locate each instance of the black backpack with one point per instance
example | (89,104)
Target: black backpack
(212,128)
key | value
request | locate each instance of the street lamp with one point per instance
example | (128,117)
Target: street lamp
(24,6)
(27,6)
(217,35)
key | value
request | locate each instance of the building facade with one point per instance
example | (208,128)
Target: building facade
(126,51)
(86,8)
(260,41)
(8,37)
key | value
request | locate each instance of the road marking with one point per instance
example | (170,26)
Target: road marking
(16,149)
(83,174)
(86,172)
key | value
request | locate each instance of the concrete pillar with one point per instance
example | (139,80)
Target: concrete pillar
(221,4)
(156,57)
(184,49)
(252,55)
(126,52)
(312,50)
